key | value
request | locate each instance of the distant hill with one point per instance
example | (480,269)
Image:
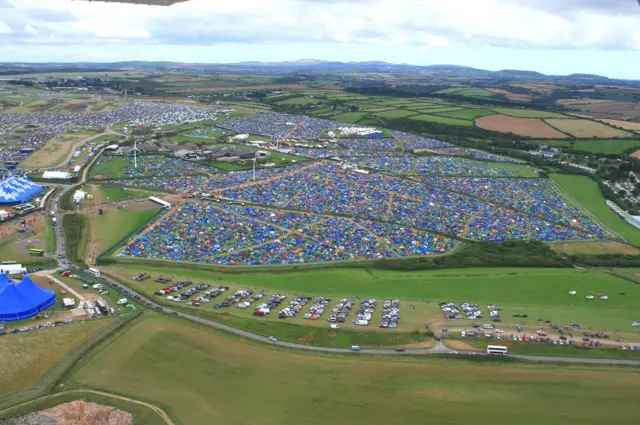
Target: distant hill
(143,2)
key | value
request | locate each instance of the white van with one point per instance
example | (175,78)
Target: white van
(362,322)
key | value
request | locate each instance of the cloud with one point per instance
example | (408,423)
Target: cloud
(424,24)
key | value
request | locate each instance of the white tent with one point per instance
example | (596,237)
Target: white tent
(62,175)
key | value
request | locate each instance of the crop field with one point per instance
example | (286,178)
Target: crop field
(235,88)
(627,125)
(443,120)
(395,113)
(465,114)
(149,360)
(26,357)
(586,192)
(595,248)
(613,146)
(299,101)
(515,97)
(586,128)
(350,117)
(599,108)
(521,126)
(528,113)
(470,92)
(55,151)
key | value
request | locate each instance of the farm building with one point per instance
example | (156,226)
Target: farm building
(21,300)
(17,189)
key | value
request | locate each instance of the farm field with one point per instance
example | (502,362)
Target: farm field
(627,125)
(528,113)
(442,120)
(54,152)
(349,117)
(521,126)
(516,97)
(595,248)
(586,192)
(27,356)
(395,113)
(465,114)
(299,101)
(614,146)
(131,365)
(586,128)
(467,91)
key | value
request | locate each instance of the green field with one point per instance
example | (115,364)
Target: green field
(117,223)
(395,113)
(586,192)
(471,92)
(538,292)
(350,117)
(443,120)
(466,114)
(108,167)
(234,382)
(26,357)
(528,113)
(299,101)
(609,146)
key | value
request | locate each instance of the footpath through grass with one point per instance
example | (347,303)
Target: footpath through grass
(199,376)
(587,193)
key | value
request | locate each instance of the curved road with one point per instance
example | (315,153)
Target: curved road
(438,349)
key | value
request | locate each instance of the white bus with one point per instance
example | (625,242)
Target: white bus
(94,272)
(497,350)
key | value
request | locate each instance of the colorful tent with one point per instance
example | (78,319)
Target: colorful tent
(17,189)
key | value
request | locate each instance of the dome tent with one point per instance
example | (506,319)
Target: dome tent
(23,299)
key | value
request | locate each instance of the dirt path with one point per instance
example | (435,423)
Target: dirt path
(166,418)
(48,275)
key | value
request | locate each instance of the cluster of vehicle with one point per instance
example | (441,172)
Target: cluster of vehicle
(365,312)
(317,308)
(141,276)
(450,310)
(86,282)
(294,306)
(341,311)
(174,287)
(390,314)
(36,327)
(244,294)
(239,298)
(162,279)
(272,303)
(471,310)
(493,313)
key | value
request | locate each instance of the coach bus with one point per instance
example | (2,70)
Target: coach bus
(94,272)
(497,350)
(36,252)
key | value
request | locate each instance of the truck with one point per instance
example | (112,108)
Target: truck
(355,348)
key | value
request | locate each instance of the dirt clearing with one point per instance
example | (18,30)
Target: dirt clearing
(577,248)
(76,412)
(520,126)
(54,151)
(585,128)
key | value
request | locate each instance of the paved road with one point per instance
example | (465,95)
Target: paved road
(439,349)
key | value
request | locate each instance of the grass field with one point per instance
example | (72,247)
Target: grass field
(116,223)
(443,120)
(110,167)
(53,152)
(613,146)
(299,101)
(197,375)
(395,113)
(538,292)
(595,248)
(585,128)
(350,117)
(471,92)
(26,357)
(528,113)
(465,114)
(586,192)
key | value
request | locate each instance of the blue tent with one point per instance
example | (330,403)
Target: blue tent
(23,299)
(17,189)
(4,280)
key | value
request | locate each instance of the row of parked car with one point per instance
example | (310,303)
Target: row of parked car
(471,311)
(294,306)
(174,287)
(272,303)
(390,314)
(365,312)
(341,311)
(317,308)
(36,327)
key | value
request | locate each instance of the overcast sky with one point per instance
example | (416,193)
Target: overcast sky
(550,36)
